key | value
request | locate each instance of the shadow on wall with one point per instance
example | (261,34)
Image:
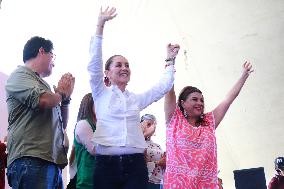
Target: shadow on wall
(3,106)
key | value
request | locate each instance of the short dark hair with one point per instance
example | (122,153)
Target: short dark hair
(33,45)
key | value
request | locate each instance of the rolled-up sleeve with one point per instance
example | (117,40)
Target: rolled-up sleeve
(24,87)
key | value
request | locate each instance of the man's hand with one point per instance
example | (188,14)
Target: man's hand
(66,85)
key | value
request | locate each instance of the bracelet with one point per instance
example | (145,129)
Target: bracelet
(170,64)
(66,102)
(172,59)
(102,26)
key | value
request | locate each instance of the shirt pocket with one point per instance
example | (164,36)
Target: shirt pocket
(115,105)
(132,108)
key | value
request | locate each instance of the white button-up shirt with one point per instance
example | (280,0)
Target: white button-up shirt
(117,112)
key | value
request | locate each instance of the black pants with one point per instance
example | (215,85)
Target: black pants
(120,172)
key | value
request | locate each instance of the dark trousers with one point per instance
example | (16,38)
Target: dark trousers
(153,186)
(120,172)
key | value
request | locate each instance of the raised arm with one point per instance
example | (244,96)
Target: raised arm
(221,109)
(104,16)
(169,104)
(95,66)
(165,83)
(170,97)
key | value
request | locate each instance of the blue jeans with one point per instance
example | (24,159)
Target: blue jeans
(34,173)
(120,172)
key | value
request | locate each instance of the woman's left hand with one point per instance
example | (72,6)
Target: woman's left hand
(106,15)
(247,68)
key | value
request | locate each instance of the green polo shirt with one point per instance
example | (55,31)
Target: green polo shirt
(32,131)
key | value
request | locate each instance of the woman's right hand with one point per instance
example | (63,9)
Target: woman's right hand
(106,15)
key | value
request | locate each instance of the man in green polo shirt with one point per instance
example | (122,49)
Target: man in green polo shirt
(37,119)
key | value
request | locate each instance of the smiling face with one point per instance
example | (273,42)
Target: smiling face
(46,62)
(118,71)
(194,104)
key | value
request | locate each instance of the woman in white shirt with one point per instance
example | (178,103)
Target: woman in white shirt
(120,143)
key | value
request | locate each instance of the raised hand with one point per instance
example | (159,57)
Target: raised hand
(247,68)
(106,15)
(172,51)
(220,111)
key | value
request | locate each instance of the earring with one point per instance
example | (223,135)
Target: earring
(185,114)
(107,81)
(202,116)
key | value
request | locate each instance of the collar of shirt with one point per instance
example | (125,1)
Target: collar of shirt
(115,89)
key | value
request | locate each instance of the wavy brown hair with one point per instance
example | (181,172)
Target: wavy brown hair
(86,108)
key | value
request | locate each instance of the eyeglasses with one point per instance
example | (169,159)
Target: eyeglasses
(53,56)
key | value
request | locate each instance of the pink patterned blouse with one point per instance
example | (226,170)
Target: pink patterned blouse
(191,154)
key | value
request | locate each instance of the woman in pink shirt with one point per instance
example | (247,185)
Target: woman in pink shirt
(191,142)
